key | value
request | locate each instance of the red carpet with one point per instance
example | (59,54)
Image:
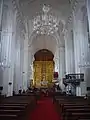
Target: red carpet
(45,110)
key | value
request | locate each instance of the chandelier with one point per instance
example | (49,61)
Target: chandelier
(45,23)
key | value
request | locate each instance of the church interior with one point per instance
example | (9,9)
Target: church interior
(45,59)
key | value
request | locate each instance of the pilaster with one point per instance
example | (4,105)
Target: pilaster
(61,65)
(69,51)
(25,66)
(30,65)
(8,47)
(80,42)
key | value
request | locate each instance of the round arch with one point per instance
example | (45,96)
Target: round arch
(44,55)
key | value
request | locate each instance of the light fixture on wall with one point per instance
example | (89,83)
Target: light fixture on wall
(45,23)
(3,64)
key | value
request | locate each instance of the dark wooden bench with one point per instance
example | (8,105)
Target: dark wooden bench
(72,108)
(8,117)
(63,108)
(17,107)
(78,115)
(84,119)
(18,112)
(68,112)
(12,107)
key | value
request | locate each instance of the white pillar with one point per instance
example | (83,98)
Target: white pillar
(11,64)
(78,91)
(25,66)
(69,52)
(1,12)
(61,65)
(8,46)
(18,63)
(80,41)
(80,37)
(30,65)
(88,11)
(19,58)
(88,58)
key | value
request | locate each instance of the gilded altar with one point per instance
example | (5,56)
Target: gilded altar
(43,73)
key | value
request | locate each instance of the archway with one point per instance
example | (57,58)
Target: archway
(43,68)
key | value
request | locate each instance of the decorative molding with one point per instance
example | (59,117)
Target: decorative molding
(75,4)
(19,16)
(73,8)
(34,34)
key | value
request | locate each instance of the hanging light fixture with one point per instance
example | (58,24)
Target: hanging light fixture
(45,23)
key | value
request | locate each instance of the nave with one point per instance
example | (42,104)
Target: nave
(45,110)
(34,106)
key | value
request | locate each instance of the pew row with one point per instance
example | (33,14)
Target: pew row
(73,107)
(17,107)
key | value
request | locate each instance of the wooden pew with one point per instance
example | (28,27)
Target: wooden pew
(9,117)
(68,112)
(64,107)
(78,115)
(18,112)
(17,107)
(12,107)
(84,119)
(70,107)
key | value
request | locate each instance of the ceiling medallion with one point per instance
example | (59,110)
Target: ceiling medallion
(45,23)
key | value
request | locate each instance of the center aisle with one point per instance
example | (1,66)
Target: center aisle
(45,110)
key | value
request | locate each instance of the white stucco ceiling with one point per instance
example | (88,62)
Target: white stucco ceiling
(30,8)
